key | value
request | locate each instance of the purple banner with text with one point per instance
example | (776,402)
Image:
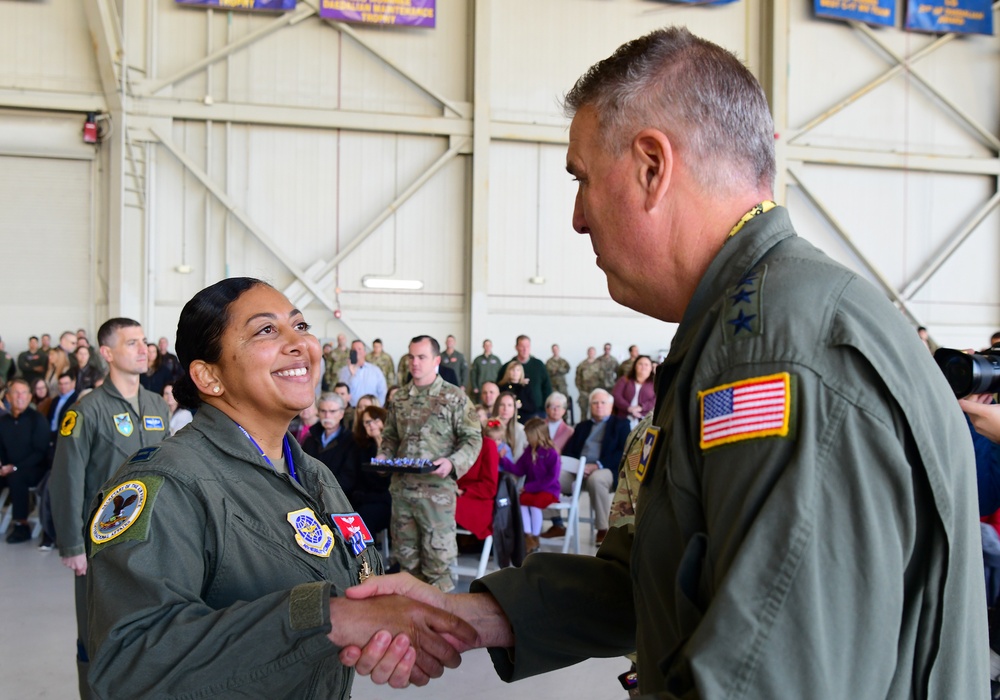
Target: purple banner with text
(258,5)
(406,13)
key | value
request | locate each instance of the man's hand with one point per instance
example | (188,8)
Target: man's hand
(7,469)
(444,467)
(985,416)
(589,468)
(77,563)
(431,633)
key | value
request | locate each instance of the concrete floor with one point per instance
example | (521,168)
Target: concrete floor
(37,660)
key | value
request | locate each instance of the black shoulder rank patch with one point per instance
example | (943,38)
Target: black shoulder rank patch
(124,513)
(741,315)
(145,454)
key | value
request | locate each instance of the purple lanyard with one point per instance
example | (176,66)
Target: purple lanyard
(286,449)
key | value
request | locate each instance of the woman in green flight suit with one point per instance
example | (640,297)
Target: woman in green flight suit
(219,558)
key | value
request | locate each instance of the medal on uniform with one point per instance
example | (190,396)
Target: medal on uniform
(351,524)
(366,571)
(310,534)
(649,441)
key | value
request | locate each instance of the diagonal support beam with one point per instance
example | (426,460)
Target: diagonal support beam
(242,217)
(842,233)
(985,135)
(446,157)
(107,50)
(950,246)
(286,20)
(865,89)
(348,31)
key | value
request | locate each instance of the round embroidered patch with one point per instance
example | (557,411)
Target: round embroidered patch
(310,534)
(68,423)
(118,512)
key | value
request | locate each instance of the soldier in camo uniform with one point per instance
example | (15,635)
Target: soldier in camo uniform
(558,368)
(589,376)
(338,359)
(383,361)
(610,365)
(429,419)
(625,367)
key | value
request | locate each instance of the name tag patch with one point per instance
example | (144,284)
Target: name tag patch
(310,534)
(752,408)
(152,423)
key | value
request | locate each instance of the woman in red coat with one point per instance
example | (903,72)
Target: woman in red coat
(634,393)
(476,492)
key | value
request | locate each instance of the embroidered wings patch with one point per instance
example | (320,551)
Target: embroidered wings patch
(752,408)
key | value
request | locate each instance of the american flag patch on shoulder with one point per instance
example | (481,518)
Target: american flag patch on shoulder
(752,408)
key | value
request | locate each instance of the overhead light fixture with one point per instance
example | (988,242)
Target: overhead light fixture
(370,282)
(184,269)
(537,279)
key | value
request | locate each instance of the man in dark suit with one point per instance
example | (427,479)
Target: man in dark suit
(332,443)
(601,439)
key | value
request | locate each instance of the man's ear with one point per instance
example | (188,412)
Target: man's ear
(105,352)
(205,379)
(654,157)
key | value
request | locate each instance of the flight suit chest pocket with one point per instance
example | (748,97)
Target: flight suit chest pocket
(256,559)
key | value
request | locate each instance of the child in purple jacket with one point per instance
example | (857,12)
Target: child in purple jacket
(540,466)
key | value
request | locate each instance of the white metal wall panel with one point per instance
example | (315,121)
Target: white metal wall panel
(48,245)
(45,46)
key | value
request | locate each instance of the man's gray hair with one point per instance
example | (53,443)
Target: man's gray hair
(701,96)
(330,397)
(600,393)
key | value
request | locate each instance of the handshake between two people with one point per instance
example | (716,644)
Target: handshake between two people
(399,630)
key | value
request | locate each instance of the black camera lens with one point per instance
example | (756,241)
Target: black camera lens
(970,373)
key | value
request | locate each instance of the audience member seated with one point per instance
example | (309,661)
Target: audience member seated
(344,392)
(514,382)
(58,365)
(601,440)
(488,394)
(634,393)
(371,492)
(24,442)
(88,375)
(332,443)
(307,418)
(505,409)
(179,415)
(477,490)
(157,374)
(40,397)
(555,412)
(540,465)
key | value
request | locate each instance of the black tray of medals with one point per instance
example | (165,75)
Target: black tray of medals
(400,465)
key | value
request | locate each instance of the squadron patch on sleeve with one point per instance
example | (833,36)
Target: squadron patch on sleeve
(124,513)
(649,440)
(68,423)
(752,408)
(310,534)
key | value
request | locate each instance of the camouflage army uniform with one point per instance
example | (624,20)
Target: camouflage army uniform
(403,370)
(384,362)
(625,367)
(338,360)
(558,368)
(609,364)
(429,423)
(626,498)
(589,376)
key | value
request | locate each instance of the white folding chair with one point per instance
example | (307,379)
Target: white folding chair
(484,559)
(7,513)
(570,507)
